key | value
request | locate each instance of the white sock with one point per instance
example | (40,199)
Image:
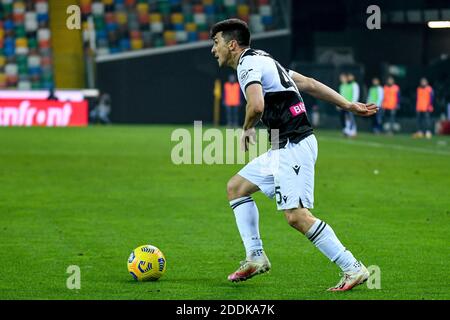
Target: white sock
(247,220)
(324,238)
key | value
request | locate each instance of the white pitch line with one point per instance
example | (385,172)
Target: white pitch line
(382,145)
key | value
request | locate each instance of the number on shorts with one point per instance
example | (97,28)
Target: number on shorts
(278,196)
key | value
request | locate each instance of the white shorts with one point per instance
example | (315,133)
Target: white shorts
(286,174)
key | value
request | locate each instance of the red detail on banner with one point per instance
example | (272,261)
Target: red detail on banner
(45,113)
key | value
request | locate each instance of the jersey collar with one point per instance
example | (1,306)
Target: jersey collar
(242,55)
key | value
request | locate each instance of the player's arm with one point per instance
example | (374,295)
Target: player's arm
(255,105)
(323,92)
(253,113)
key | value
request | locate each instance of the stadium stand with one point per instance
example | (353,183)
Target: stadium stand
(119,25)
(25,50)
(124,25)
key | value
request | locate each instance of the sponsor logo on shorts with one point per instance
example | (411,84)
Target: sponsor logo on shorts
(296,169)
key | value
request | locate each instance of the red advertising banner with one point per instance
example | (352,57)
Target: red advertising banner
(46,113)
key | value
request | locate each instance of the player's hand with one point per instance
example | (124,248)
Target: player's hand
(362,109)
(248,136)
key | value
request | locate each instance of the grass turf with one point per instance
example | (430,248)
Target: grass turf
(88,196)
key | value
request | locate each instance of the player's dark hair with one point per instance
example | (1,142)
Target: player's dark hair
(233,29)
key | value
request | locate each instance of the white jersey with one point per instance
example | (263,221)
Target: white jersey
(284,109)
(257,66)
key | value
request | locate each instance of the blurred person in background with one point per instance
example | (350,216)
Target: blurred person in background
(342,92)
(315,115)
(424,108)
(347,118)
(375,96)
(101,111)
(350,122)
(391,102)
(232,101)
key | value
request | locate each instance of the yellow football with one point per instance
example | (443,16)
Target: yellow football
(146,263)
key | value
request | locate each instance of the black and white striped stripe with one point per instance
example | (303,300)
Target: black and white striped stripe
(318,231)
(241,201)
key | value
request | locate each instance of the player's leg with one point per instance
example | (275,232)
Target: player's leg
(295,179)
(235,116)
(375,127)
(427,125)
(239,191)
(229,116)
(393,119)
(240,187)
(348,124)
(342,118)
(382,113)
(379,117)
(324,238)
(352,125)
(389,125)
(419,121)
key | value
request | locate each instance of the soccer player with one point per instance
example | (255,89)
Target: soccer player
(286,171)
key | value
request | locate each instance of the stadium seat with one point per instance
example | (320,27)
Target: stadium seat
(31,22)
(121,17)
(24,85)
(125,44)
(9,48)
(255,23)
(11,69)
(18,7)
(157,27)
(147,38)
(177,18)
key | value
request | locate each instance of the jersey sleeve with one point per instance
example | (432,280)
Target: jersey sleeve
(249,72)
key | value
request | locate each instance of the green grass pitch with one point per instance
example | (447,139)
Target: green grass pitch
(88,196)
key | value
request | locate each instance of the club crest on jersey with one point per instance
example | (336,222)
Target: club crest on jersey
(243,75)
(297,109)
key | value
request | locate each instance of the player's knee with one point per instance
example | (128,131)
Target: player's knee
(299,218)
(234,189)
(291,219)
(238,187)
